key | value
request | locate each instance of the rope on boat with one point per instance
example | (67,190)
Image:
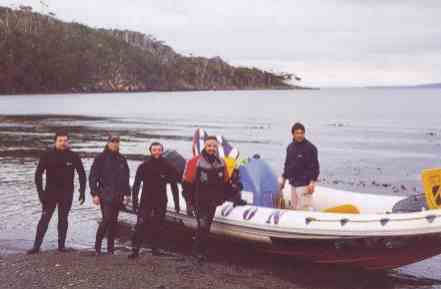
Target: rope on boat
(383,221)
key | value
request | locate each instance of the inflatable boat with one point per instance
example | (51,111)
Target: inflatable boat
(369,231)
(374,237)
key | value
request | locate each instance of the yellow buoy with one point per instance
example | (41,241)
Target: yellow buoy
(231,165)
(432,187)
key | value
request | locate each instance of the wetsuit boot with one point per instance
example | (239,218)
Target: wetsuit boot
(135,253)
(62,232)
(34,250)
(98,243)
(46,216)
(64,207)
(37,244)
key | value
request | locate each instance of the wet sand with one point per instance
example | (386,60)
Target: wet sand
(80,269)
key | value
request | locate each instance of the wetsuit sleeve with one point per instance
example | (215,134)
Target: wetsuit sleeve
(137,185)
(94,177)
(127,178)
(315,164)
(173,179)
(233,186)
(41,168)
(81,174)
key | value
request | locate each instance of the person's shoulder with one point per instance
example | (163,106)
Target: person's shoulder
(222,161)
(311,145)
(74,154)
(166,162)
(143,164)
(48,151)
(147,160)
(44,155)
(100,155)
(121,156)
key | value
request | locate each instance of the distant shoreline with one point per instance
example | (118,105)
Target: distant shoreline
(416,86)
(156,91)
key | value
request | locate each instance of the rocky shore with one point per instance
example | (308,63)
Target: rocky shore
(80,269)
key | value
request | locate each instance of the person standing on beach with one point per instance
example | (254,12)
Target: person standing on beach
(206,184)
(154,174)
(59,165)
(109,186)
(301,169)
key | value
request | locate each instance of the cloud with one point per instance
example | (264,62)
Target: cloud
(333,42)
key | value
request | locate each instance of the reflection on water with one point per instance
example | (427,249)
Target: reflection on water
(366,143)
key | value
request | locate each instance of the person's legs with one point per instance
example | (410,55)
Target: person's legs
(294,202)
(64,207)
(204,216)
(157,221)
(46,215)
(304,198)
(201,224)
(140,230)
(113,228)
(103,227)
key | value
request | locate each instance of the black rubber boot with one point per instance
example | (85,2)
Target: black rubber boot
(34,250)
(156,252)
(98,244)
(134,255)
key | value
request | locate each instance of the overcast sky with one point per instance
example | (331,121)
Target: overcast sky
(327,43)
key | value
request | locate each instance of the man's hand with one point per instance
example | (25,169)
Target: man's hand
(282,182)
(96,200)
(311,187)
(82,198)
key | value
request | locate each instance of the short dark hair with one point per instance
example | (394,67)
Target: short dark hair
(211,137)
(155,144)
(297,126)
(60,133)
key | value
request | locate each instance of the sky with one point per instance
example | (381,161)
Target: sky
(329,43)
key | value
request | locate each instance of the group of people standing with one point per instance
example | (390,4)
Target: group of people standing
(206,184)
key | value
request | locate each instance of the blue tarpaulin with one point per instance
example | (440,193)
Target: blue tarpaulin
(257,177)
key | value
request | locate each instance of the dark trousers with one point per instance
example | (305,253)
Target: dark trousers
(64,205)
(108,225)
(150,220)
(204,216)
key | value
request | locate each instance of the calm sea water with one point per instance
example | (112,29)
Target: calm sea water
(374,141)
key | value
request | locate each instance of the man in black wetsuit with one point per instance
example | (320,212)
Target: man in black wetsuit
(154,174)
(109,186)
(59,165)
